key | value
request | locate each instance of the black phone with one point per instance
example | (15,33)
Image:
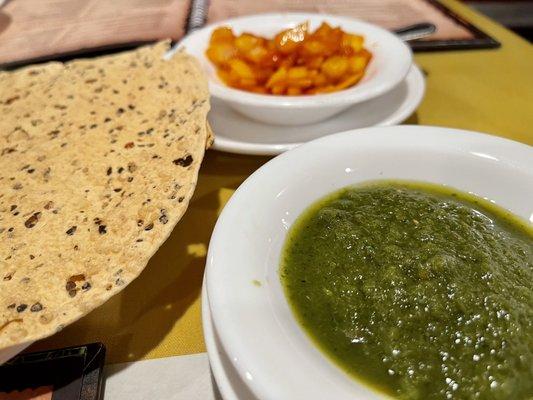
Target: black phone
(72,373)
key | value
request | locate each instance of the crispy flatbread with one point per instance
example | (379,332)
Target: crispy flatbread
(98,161)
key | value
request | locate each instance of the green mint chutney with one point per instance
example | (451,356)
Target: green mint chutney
(418,290)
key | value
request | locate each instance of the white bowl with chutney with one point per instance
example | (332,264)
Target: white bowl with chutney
(391,61)
(257,328)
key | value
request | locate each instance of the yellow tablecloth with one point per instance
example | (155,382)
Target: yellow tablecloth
(158,315)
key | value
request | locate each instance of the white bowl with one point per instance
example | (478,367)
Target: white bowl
(390,64)
(256,327)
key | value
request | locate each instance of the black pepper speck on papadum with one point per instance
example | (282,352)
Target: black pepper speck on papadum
(71,223)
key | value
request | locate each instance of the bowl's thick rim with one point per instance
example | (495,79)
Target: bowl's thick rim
(351,95)
(468,140)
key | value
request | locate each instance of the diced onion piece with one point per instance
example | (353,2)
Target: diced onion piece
(222,34)
(246,42)
(354,42)
(335,67)
(358,62)
(297,73)
(277,77)
(313,47)
(241,69)
(221,53)
(323,30)
(257,54)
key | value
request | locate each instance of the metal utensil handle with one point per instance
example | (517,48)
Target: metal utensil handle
(416,31)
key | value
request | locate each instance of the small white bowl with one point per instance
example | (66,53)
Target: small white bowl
(255,324)
(391,60)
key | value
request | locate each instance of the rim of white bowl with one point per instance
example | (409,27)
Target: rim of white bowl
(213,353)
(351,95)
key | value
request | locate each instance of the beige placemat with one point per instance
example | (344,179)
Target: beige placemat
(33,29)
(390,14)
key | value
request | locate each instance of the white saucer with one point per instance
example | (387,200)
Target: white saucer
(235,133)
(229,384)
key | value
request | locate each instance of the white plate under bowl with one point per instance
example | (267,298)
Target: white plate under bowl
(229,384)
(390,63)
(256,327)
(236,133)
